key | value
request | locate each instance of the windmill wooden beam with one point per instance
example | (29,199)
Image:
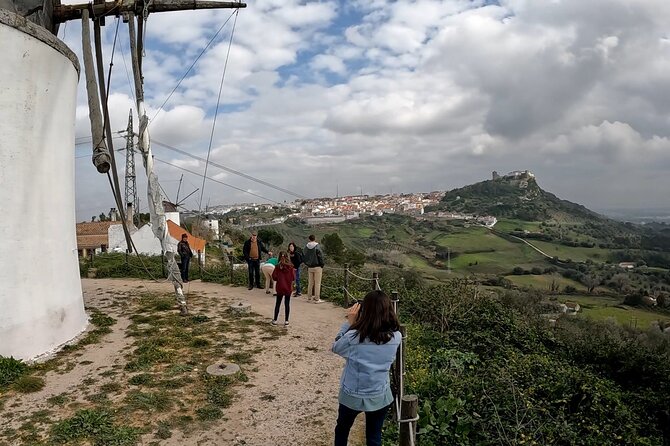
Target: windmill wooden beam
(63,13)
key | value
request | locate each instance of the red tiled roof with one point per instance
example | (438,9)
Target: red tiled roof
(95,227)
(93,234)
(175,231)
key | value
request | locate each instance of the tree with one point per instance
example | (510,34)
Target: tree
(620,281)
(271,237)
(333,246)
(354,257)
(591,281)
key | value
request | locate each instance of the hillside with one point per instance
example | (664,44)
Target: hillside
(518,197)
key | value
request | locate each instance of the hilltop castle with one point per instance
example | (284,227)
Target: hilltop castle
(518,177)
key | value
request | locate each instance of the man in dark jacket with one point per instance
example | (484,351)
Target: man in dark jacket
(185,254)
(313,258)
(252,254)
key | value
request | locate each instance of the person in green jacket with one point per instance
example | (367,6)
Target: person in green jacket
(268,267)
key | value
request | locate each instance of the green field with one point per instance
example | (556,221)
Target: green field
(480,251)
(508,225)
(544,282)
(601,308)
(568,252)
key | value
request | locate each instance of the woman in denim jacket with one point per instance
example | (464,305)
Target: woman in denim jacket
(368,341)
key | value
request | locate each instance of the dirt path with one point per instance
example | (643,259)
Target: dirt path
(290,397)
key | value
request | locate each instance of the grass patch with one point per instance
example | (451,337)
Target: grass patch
(95,425)
(208,413)
(10,370)
(199,343)
(111,387)
(149,401)
(163,431)
(241,358)
(143,379)
(58,400)
(29,384)
(147,354)
(218,391)
(100,319)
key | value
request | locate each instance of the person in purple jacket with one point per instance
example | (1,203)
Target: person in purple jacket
(368,341)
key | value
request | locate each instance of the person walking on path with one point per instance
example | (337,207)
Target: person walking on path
(251,251)
(283,275)
(268,267)
(313,258)
(368,340)
(296,260)
(185,254)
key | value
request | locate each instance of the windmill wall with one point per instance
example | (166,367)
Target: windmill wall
(41,303)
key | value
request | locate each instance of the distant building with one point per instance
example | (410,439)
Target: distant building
(325,219)
(627,265)
(573,307)
(92,236)
(213,225)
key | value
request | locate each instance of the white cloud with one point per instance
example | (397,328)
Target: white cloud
(431,94)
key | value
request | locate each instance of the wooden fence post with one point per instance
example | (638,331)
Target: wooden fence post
(409,409)
(232,268)
(346,285)
(375,281)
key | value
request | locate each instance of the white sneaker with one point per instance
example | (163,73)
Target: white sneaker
(286,324)
(319,301)
(274,322)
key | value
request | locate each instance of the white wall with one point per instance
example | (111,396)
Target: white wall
(213,225)
(174,216)
(41,304)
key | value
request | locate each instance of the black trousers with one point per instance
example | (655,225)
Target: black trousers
(254,272)
(287,305)
(183,268)
(374,421)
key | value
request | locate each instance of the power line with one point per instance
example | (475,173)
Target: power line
(191,67)
(216,112)
(228,169)
(216,181)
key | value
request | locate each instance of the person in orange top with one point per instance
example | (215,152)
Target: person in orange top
(283,276)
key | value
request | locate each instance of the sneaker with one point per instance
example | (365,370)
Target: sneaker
(251,288)
(267,291)
(318,301)
(183,310)
(286,324)
(274,322)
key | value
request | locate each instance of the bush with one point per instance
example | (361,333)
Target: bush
(490,371)
(29,384)
(10,370)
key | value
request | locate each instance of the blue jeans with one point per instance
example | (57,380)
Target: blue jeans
(374,421)
(297,281)
(254,273)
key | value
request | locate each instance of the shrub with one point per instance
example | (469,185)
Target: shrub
(10,370)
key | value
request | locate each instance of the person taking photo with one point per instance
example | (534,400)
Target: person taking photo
(368,340)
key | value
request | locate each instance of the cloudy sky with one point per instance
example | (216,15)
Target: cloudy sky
(382,96)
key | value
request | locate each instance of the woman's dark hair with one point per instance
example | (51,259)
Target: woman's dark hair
(294,247)
(376,319)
